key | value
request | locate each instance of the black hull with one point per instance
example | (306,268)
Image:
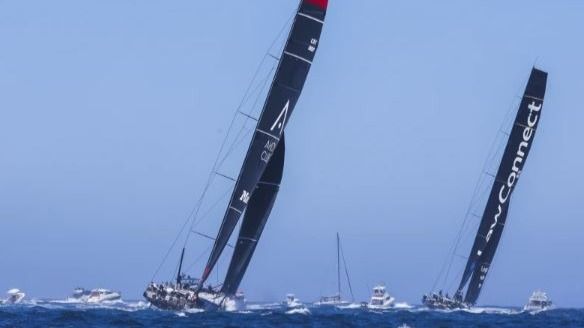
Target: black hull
(176,298)
(438,302)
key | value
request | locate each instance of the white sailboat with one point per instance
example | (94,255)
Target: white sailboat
(336,300)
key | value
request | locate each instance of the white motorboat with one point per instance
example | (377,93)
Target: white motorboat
(292,302)
(539,301)
(97,295)
(79,295)
(380,299)
(100,295)
(15,296)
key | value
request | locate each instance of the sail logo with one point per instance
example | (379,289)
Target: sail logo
(244,196)
(506,188)
(281,119)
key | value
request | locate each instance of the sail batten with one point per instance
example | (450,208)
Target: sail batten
(293,67)
(510,168)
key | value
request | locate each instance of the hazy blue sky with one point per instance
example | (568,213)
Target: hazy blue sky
(112,112)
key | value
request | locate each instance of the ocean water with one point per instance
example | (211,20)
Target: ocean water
(139,314)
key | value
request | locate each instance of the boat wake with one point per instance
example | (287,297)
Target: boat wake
(491,310)
(74,304)
(402,305)
(303,311)
(351,306)
(263,306)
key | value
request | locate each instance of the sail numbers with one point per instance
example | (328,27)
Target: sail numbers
(268,150)
(244,197)
(312,46)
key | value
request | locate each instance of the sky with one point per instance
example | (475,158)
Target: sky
(112,114)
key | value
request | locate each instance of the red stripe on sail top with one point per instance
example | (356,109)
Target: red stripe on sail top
(322,4)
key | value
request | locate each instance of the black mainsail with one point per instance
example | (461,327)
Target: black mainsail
(295,62)
(496,210)
(254,220)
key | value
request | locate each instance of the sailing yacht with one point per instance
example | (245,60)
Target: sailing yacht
(496,210)
(380,300)
(336,300)
(258,182)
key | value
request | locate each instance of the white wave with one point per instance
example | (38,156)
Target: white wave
(267,306)
(490,310)
(402,305)
(129,306)
(194,310)
(180,314)
(67,301)
(138,305)
(350,306)
(302,310)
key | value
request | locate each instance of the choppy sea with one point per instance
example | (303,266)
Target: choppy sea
(139,314)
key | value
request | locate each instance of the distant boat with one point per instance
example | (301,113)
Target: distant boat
(495,213)
(98,295)
(292,303)
(336,300)
(101,295)
(15,296)
(381,299)
(539,301)
(258,182)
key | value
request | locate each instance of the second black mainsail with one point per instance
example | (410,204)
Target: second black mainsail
(295,62)
(495,214)
(496,209)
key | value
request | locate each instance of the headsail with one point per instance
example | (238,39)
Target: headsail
(496,210)
(254,220)
(284,92)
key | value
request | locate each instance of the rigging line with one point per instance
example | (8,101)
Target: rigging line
(217,202)
(225,176)
(237,142)
(170,248)
(194,212)
(233,146)
(347,273)
(217,163)
(199,258)
(209,237)
(243,101)
(496,144)
(474,199)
